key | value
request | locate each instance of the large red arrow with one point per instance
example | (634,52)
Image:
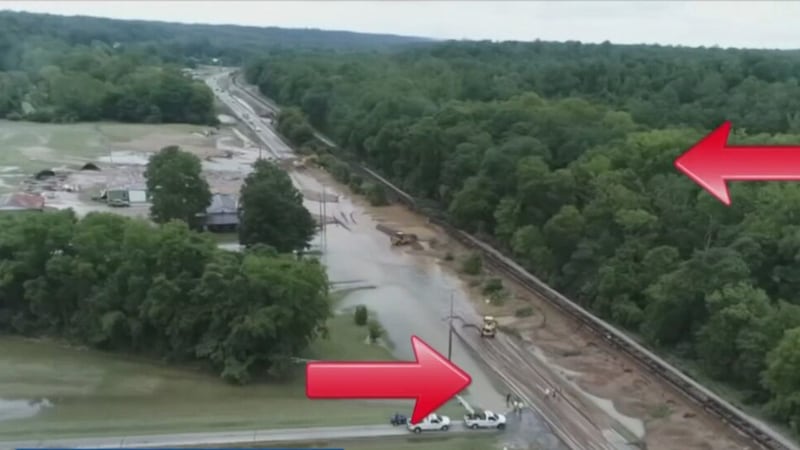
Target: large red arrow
(432,380)
(712,162)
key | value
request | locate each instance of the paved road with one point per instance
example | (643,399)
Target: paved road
(233,437)
(261,127)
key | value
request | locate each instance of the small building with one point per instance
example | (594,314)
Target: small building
(124,196)
(223,213)
(21,201)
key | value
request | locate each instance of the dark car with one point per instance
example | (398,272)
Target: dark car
(398,419)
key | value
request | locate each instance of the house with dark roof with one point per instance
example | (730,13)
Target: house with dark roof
(21,201)
(223,213)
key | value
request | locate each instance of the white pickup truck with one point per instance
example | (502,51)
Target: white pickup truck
(431,423)
(485,419)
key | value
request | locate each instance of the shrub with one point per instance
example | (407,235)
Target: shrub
(375,330)
(375,194)
(526,311)
(361,315)
(472,265)
(493,285)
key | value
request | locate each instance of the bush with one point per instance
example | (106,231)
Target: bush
(472,265)
(375,330)
(355,184)
(375,194)
(493,285)
(361,315)
(526,311)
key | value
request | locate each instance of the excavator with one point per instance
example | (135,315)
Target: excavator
(304,162)
(399,238)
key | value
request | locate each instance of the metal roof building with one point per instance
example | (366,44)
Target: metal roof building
(223,212)
(21,201)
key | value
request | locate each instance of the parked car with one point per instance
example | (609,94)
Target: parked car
(433,422)
(485,419)
(398,419)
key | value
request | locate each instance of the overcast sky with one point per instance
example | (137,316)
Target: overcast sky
(761,24)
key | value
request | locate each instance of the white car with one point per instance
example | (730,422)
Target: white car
(485,419)
(431,423)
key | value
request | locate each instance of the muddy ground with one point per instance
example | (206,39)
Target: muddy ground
(670,420)
(224,154)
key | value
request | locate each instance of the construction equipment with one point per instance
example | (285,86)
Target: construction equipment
(489,328)
(304,162)
(400,238)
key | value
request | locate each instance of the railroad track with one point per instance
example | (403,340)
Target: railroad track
(710,402)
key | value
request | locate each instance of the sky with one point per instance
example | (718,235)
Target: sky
(758,24)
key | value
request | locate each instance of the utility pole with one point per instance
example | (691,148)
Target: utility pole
(450,335)
(324,219)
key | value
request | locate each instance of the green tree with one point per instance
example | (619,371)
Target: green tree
(782,378)
(177,188)
(121,284)
(273,211)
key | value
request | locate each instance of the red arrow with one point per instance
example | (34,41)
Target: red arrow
(712,162)
(432,380)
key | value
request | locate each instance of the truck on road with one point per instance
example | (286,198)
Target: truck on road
(485,419)
(433,422)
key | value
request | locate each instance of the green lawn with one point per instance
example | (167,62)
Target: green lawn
(104,394)
(123,132)
(35,146)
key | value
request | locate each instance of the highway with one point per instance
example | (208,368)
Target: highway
(234,437)
(260,127)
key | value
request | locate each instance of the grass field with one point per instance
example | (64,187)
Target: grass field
(27,147)
(102,394)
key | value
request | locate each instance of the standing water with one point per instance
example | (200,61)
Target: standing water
(412,295)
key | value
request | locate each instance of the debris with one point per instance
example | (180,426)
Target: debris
(46,173)
(21,201)
(90,166)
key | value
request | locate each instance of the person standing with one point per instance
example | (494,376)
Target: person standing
(508,400)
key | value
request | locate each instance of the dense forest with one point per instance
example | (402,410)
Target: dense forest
(66,69)
(60,78)
(127,285)
(182,43)
(561,154)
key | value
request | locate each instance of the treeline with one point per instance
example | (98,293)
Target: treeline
(64,69)
(562,155)
(179,43)
(126,285)
(54,81)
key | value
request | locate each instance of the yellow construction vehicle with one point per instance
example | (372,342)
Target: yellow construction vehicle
(489,328)
(304,162)
(400,238)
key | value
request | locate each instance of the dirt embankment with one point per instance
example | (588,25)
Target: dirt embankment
(670,420)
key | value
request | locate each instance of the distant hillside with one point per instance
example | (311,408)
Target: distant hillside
(177,41)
